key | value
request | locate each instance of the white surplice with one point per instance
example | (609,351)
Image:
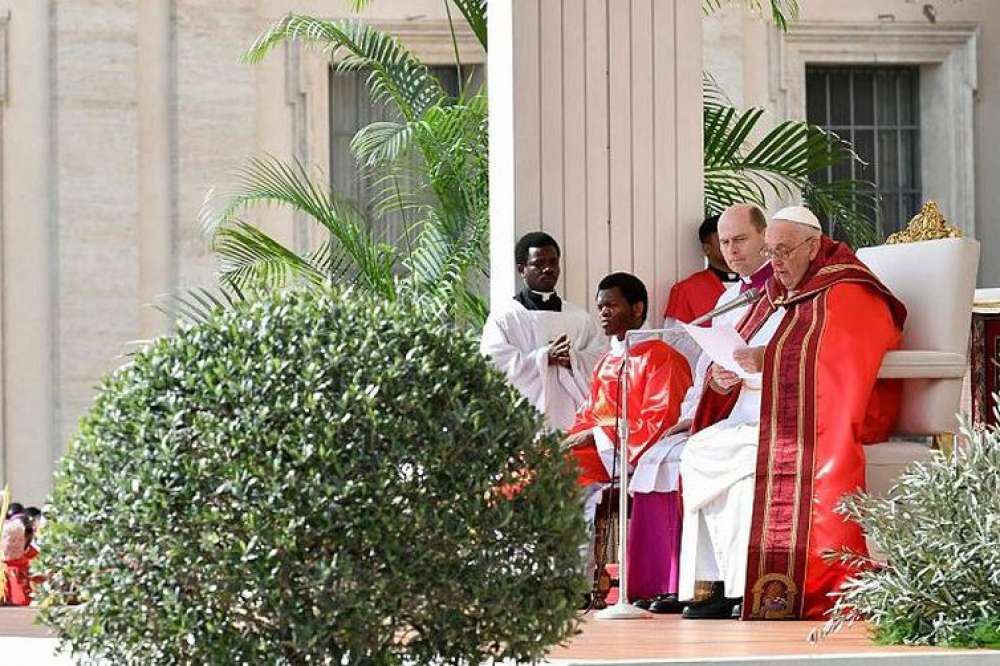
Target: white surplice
(718,467)
(517,340)
(659,468)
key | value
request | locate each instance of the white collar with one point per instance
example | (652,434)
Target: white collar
(546,295)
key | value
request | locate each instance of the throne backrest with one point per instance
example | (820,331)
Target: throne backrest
(936,280)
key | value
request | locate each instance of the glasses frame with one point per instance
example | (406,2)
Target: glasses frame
(781,255)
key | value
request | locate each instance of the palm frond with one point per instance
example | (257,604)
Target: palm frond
(383,142)
(251,258)
(397,76)
(738,169)
(198,305)
(782,12)
(474,12)
(249,255)
(850,206)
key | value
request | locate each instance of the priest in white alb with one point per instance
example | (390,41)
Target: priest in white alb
(741,238)
(546,346)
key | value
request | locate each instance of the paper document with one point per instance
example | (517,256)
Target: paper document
(719,342)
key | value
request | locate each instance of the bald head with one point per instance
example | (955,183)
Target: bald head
(741,237)
(792,247)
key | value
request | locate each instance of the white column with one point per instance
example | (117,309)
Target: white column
(595,137)
(500,83)
(29,255)
(157,187)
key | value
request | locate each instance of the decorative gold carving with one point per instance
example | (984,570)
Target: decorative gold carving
(928,224)
(774,597)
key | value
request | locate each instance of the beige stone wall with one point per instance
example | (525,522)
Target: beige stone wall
(97,261)
(81,168)
(741,53)
(117,117)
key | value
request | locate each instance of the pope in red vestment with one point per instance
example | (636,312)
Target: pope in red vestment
(658,378)
(820,402)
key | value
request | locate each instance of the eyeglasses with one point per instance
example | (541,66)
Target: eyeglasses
(781,253)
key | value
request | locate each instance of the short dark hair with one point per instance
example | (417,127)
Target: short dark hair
(530,240)
(708,227)
(631,287)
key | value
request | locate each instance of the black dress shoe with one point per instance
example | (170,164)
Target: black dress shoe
(642,603)
(666,604)
(720,608)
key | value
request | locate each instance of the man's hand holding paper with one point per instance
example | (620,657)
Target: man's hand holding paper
(721,343)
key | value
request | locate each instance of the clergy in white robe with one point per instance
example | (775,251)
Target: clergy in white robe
(718,465)
(545,346)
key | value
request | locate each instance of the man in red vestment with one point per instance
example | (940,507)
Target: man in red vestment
(658,378)
(827,323)
(697,294)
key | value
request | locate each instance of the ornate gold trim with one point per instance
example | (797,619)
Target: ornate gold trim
(928,224)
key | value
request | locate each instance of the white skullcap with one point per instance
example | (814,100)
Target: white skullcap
(799,215)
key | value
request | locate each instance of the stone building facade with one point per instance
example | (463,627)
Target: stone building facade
(117,116)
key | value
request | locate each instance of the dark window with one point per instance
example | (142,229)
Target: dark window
(351,108)
(877,109)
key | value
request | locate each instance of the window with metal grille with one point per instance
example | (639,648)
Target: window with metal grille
(877,109)
(350,109)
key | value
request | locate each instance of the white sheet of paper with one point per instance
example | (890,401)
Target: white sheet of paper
(719,342)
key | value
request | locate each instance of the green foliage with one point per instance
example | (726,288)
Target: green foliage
(430,165)
(940,526)
(742,169)
(781,11)
(309,478)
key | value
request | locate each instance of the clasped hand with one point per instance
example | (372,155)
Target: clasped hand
(559,350)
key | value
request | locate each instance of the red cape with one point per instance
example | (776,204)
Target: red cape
(658,376)
(694,296)
(820,402)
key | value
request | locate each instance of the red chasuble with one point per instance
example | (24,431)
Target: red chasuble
(658,378)
(820,402)
(694,296)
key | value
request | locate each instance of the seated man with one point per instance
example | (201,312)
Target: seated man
(697,294)
(658,378)
(547,347)
(741,238)
(772,455)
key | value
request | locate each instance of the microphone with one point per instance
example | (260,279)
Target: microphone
(749,296)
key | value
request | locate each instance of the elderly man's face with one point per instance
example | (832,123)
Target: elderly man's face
(792,248)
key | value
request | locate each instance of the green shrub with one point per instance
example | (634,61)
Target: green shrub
(940,526)
(309,479)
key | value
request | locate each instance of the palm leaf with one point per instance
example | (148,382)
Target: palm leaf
(474,12)
(850,206)
(198,305)
(396,75)
(251,256)
(782,11)
(380,143)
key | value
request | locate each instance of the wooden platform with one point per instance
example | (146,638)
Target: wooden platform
(667,639)
(662,639)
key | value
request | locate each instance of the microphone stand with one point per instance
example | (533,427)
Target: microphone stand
(623,610)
